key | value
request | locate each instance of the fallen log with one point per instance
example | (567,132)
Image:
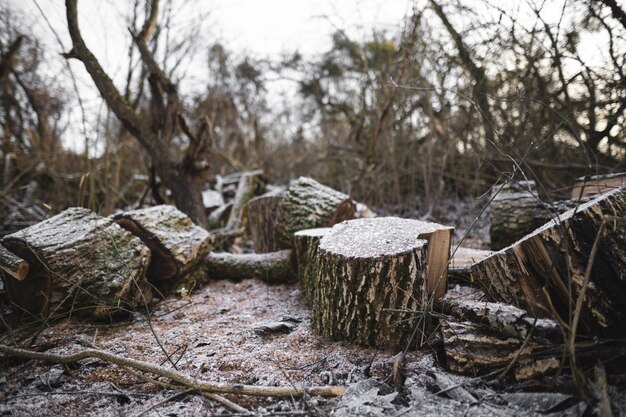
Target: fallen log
(178,246)
(274,267)
(372,277)
(13,265)
(81,261)
(306,204)
(579,256)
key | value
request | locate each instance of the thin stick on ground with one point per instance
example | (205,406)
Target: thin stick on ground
(181,378)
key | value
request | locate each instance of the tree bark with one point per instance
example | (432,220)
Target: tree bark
(261,215)
(275,267)
(373,276)
(306,246)
(178,246)
(82,261)
(306,204)
(581,250)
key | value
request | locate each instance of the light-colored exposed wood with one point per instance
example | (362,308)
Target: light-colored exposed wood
(13,265)
(590,186)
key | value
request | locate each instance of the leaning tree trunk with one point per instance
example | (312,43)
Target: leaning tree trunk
(178,246)
(82,261)
(374,276)
(578,257)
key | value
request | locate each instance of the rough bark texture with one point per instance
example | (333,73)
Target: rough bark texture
(178,246)
(261,215)
(306,245)
(88,263)
(470,349)
(372,277)
(307,204)
(275,267)
(537,272)
(590,186)
(516,212)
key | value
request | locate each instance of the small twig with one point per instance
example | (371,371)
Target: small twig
(165,400)
(177,376)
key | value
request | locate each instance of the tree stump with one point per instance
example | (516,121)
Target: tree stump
(306,245)
(306,204)
(178,246)
(374,275)
(81,261)
(555,258)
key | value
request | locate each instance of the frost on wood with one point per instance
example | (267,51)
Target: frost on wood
(306,245)
(554,258)
(373,275)
(77,257)
(178,246)
(308,204)
(273,267)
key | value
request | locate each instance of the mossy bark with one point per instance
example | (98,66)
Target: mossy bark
(273,268)
(87,263)
(178,246)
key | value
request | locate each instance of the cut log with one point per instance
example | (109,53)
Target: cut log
(516,211)
(306,245)
(83,261)
(307,204)
(219,216)
(261,213)
(13,265)
(273,219)
(537,272)
(178,246)
(212,199)
(373,277)
(275,267)
(462,261)
(473,351)
(589,186)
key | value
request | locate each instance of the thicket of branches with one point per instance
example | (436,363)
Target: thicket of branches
(452,102)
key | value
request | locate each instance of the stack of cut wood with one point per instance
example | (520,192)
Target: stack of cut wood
(101,267)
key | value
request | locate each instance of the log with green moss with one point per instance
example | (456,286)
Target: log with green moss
(79,261)
(274,218)
(373,278)
(178,246)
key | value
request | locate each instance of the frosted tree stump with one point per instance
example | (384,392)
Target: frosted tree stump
(80,260)
(306,204)
(306,245)
(374,275)
(178,246)
(537,272)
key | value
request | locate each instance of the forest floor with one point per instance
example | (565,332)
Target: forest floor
(223,332)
